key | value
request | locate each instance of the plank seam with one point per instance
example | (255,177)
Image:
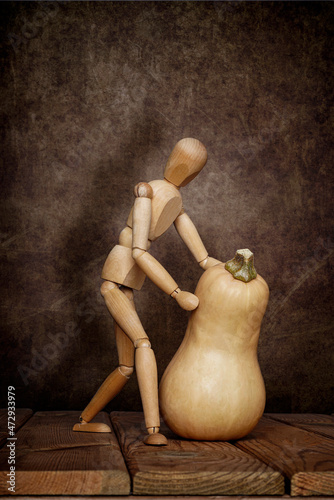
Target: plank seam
(30,450)
(296,426)
(118,437)
(287,482)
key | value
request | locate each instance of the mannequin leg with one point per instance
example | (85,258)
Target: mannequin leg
(114,383)
(121,307)
(145,362)
(147,375)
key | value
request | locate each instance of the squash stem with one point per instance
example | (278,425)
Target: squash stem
(242,265)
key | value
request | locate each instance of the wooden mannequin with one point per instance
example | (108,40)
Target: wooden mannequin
(157,206)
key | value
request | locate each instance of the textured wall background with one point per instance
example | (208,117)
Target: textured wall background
(94,97)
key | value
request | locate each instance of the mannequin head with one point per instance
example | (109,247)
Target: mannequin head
(186,161)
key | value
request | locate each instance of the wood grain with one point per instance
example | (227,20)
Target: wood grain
(189,234)
(321,424)
(185,161)
(171,497)
(21,416)
(189,467)
(305,458)
(52,459)
(141,221)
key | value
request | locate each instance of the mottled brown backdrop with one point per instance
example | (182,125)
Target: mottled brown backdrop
(94,97)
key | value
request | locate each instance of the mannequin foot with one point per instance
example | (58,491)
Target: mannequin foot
(156,439)
(91,427)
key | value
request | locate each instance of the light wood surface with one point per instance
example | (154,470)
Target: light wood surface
(122,311)
(189,234)
(148,383)
(141,222)
(155,271)
(111,386)
(125,237)
(166,206)
(125,347)
(115,382)
(185,161)
(306,458)
(188,301)
(53,460)
(188,467)
(143,189)
(216,366)
(121,268)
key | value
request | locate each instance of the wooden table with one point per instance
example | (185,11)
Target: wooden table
(285,455)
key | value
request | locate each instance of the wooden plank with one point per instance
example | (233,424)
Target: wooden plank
(306,458)
(321,424)
(190,467)
(51,459)
(160,497)
(21,416)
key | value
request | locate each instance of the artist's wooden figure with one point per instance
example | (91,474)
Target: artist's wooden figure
(158,204)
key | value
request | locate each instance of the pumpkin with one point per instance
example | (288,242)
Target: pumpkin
(213,388)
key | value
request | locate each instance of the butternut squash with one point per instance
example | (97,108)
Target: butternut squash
(213,388)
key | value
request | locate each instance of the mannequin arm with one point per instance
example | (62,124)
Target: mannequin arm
(189,234)
(141,220)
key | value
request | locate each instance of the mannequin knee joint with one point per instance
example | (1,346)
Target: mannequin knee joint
(142,343)
(106,287)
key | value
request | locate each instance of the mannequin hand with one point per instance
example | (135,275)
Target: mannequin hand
(209,262)
(188,301)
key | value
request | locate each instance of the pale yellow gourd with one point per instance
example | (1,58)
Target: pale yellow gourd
(213,388)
